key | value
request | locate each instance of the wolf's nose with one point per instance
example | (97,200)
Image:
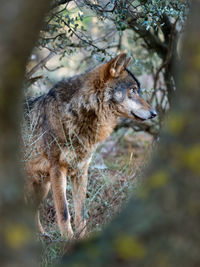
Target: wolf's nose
(153,113)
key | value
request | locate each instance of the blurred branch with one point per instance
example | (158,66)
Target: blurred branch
(53,38)
(31,81)
(57,68)
(148,126)
(99,8)
(40,64)
(61,2)
(21,21)
(168,56)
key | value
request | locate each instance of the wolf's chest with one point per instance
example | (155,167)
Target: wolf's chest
(73,157)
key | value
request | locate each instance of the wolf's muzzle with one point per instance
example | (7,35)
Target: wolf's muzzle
(153,114)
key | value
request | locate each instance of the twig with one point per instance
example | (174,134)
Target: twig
(150,127)
(83,40)
(54,37)
(40,64)
(32,80)
(51,70)
(61,2)
(168,57)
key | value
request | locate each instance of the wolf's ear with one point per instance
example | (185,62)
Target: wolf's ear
(127,62)
(118,64)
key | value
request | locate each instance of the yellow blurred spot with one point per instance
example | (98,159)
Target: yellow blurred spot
(17,235)
(158,179)
(193,159)
(196,61)
(129,247)
(176,123)
(190,158)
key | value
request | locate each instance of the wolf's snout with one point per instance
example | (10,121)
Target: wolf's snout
(153,113)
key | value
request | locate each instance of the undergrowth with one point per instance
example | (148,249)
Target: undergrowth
(113,174)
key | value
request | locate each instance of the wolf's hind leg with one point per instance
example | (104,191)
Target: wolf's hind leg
(59,183)
(41,189)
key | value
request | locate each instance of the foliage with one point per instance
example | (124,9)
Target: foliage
(93,32)
(97,30)
(170,234)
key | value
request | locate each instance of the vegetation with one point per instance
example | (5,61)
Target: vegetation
(81,34)
(93,31)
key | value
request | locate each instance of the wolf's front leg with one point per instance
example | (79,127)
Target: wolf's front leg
(79,187)
(58,183)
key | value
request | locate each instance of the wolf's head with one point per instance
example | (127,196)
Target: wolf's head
(123,91)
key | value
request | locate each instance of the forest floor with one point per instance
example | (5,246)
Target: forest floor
(113,173)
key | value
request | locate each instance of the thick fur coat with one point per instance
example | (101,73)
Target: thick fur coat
(66,125)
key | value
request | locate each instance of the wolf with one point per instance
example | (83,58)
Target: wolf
(66,125)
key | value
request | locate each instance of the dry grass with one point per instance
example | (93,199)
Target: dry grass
(113,173)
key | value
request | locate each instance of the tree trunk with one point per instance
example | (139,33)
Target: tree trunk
(160,224)
(20,22)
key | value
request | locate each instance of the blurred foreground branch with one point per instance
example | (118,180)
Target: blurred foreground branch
(20,22)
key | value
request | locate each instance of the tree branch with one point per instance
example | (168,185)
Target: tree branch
(40,64)
(61,2)
(168,56)
(149,127)
(150,39)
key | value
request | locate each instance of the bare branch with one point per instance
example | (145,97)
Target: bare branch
(150,127)
(40,64)
(31,81)
(169,54)
(61,2)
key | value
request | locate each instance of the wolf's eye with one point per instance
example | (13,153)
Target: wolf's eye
(133,90)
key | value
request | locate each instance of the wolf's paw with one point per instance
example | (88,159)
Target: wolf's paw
(68,233)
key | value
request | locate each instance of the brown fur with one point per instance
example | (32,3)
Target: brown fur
(67,123)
